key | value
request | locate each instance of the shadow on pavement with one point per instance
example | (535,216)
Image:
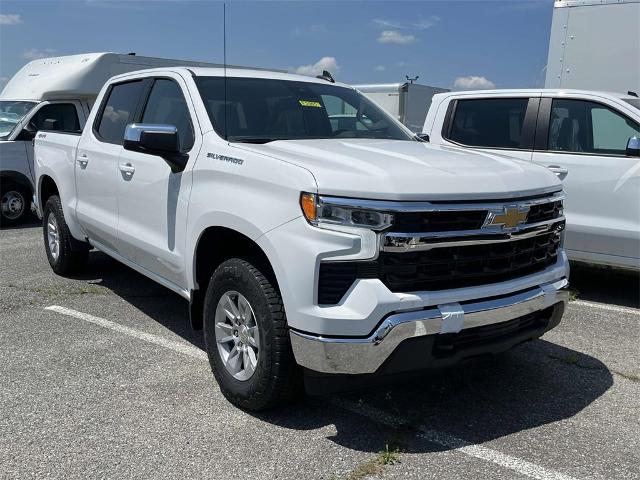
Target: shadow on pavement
(535,384)
(605,285)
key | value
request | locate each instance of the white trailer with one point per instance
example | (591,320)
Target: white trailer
(408,102)
(595,45)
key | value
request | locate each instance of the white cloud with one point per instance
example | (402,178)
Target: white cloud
(34,53)
(421,24)
(380,68)
(10,19)
(393,36)
(473,83)
(325,63)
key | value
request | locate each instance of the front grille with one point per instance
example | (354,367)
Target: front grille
(443,267)
(458,220)
(451,343)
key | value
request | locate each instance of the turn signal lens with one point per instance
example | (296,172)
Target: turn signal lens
(309,207)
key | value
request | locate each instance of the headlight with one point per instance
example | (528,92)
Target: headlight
(320,210)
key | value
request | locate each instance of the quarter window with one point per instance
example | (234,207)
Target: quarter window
(61,117)
(167,106)
(492,123)
(581,126)
(119,110)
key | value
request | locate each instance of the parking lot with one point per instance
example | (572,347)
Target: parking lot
(101,376)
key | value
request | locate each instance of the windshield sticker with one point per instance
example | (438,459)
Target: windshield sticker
(309,103)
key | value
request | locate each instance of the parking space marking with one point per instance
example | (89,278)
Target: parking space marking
(449,441)
(132,332)
(440,438)
(604,306)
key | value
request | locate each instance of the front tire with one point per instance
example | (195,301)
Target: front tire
(65,254)
(15,203)
(247,339)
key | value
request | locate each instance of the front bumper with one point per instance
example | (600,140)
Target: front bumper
(348,355)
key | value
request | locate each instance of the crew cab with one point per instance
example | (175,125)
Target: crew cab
(336,253)
(591,140)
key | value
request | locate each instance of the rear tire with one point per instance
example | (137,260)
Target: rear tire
(15,203)
(65,254)
(274,378)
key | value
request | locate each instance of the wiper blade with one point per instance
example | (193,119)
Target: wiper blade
(252,139)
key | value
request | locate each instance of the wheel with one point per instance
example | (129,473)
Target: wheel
(15,203)
(247,339)
(65,254)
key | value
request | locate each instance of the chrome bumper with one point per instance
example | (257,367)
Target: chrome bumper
(366,355)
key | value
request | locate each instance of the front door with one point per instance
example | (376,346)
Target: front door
(584,142)
(97,174)
(152,200)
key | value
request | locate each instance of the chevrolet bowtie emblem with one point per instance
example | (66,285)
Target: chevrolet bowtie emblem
(508,219)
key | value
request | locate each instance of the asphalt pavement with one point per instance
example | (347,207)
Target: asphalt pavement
(101,376)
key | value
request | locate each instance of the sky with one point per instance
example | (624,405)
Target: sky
(450,44)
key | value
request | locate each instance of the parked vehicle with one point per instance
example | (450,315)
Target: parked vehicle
(52,94)
(355,253)
(407,102)
(595,45)
(589,139)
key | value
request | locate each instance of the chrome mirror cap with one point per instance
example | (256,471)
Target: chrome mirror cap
(633,147)
(134,131)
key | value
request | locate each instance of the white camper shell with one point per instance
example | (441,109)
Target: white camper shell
(53,94)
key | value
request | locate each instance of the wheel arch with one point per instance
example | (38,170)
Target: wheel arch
(46,188)
(214,245)
(17,177)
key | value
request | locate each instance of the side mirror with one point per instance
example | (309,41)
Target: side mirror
(633,147)
(422,137)
(26,135)
(160,140)
(51,124)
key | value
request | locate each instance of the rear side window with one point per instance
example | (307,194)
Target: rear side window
(62,117)
(118,111)
(492,123)
(167,106)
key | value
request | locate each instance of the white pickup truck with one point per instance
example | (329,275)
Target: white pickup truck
(338,252)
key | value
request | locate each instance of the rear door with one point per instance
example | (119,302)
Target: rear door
(152,200)
(97,174)
(501,125)
(584,141)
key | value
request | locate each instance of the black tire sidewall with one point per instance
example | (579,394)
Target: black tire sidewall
(69,260)
(235,275)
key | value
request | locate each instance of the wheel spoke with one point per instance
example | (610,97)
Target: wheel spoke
(254,337)
(245,309)
(233,360)
(227,339)
(230,308)
(225,326)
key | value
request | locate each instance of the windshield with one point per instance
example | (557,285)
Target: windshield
(11,113)
(262,110)
(633,101)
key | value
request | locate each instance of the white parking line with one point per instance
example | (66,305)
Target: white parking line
(604,306)
(448,441)
(132,332)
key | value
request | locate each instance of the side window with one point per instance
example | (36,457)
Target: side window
(119,111)
(580,126)
(166,105)
(344,116)
(61,117)
(494,123)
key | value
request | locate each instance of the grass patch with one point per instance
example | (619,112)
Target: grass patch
(388,456)
(570,358)
(573,294)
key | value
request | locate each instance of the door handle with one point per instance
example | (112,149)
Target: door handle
(558,170)
(82,161)
(127,169)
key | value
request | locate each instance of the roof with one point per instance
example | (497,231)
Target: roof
(538,91)
(587,3)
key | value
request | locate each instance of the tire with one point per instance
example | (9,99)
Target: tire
(276,379)
(15,203)
(65,254)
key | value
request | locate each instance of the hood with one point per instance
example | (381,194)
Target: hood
(405,170)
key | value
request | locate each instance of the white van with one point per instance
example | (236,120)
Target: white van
(52,94)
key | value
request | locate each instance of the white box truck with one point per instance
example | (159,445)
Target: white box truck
(52,94)
(595,45)
(407,102)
